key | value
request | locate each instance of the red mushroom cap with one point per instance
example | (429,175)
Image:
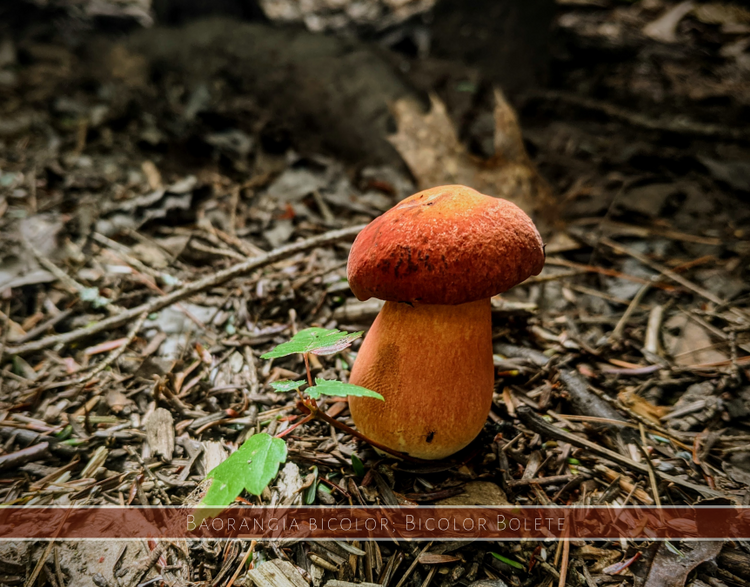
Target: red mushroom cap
(446,245)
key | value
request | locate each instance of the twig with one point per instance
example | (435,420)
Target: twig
(412,566)
(603,271)
(40,563)
(537,424)
(122,253)
(68,282)
(242,563)
(150,474)
(188,290)
(665,271)
(552,480)
(144,566)
(114,355)
(564,562)
(623,228)
(216,251)
(18,458)
(617,332)
(651,343)
(58,569)
(651,470)
(40,328)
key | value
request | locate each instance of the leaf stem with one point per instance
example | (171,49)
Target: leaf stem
(304,420)
(307,367)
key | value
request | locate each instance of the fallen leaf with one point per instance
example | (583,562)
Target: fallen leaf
(663,567)
(693,346)
(477,493)
(429,145)
(604,557)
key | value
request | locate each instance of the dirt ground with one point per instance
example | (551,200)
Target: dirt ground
(146,172)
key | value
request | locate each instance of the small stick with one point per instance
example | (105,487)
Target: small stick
(412,566)
(617,332)
(552,480)
(187,290)
(626,484)
(67,281)
(149,473)
(666,272)
(16,459)
(651,344)
(42,327)
(242,563)
(564,563)
(651,473)
(114,355)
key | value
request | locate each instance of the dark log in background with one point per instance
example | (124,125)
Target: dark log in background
(317,92)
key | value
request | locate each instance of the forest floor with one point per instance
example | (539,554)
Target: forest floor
(159,235)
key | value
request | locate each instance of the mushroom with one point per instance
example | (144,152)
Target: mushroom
(437,258)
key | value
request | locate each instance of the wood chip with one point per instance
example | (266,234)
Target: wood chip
(213,455)
(160,433)
(277,573)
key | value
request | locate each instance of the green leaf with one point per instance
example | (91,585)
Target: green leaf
(284,386)
(358,466)
(251,467)
(508,561)
(318,341)
(339,389)
(65,433)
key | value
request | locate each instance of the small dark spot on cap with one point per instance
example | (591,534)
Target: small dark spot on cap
(430,436)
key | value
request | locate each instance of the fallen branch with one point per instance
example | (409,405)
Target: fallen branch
(186,291)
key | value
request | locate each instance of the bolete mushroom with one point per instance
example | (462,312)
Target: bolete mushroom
(437,258)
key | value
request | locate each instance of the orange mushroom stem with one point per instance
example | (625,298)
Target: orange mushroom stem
(435,361)
(436,258)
